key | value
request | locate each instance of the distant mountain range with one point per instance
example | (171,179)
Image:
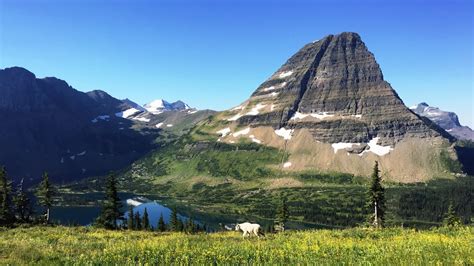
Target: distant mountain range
(327,108)
(449,121)
(160,106)
(46,125)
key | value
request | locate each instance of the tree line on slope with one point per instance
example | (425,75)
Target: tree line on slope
(112,218)
(17,207)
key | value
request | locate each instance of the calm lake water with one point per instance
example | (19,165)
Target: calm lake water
(79,215)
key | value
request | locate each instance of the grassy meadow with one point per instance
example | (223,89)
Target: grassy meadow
(87,246)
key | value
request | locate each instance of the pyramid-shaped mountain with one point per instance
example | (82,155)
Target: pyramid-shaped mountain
(330,108)
(335,88)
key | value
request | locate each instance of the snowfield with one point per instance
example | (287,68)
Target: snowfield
(378,149)
(235,117)
(241,132)
(284,133)
(285,74)
(373,147)
(141,119)
(320,115)
(127,113)
(342,146)
(224,132)
(254,139)
(255,109)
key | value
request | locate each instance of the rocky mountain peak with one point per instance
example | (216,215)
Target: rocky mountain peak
(160,106)
(335,88)
(449,121)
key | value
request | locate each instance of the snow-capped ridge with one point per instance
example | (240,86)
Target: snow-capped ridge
(159,106)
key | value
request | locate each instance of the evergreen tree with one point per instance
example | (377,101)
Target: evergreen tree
(190,227)
(111,208)
(451,219)
(44,194)
(6,216)
(174,221)
(181,226)
(22,203)
(130,221)
(138,221)
(376,199)
(161,224)
(282,215)
(145,221)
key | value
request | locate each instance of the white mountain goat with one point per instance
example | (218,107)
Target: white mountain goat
(249,228)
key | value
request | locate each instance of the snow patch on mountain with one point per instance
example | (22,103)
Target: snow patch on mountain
(377,149)
(224,131)
(159,106)
(235,117)
(342,146)
(254,139)
(285,74)
(133,104)
(286,134)
(241,132)
(255,109)
(127,113)
(320,115)
(141,119)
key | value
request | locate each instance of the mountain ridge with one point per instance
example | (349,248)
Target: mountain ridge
(49,126)
(449,121)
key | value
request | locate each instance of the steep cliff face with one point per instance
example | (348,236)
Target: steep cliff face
(335,88)
(330,108)
(46,125)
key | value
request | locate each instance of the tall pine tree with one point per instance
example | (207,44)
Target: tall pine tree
(174,221)
(450,218)
(376,199)
(282,215)
(6,216)
(44,194)
(138,221)
(145,221)
(111,208)
(190,227)
(22,203)
(130,221)
(161,224)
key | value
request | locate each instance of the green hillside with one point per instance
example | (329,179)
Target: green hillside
(244,181)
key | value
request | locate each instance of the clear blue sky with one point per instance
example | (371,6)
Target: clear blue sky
(213,54)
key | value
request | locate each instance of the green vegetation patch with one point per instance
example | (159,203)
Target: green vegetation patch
(88,246)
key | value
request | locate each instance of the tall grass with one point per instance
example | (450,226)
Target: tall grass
(80,246)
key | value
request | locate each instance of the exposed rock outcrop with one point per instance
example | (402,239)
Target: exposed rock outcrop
(335,88)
